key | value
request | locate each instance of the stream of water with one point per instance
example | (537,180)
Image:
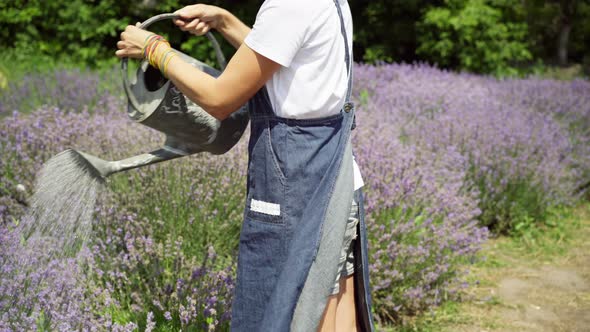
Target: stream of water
(62,206)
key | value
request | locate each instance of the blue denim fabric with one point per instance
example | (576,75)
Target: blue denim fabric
(363,299)
(294,169)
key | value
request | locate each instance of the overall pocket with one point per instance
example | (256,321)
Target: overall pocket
(277,149)
(266,179)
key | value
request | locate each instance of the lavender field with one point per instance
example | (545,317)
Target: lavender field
(448,160)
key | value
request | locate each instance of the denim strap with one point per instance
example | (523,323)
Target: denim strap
(348,56)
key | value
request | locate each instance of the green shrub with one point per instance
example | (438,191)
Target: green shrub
(473,35)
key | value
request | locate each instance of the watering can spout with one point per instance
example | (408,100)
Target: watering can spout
(103,168)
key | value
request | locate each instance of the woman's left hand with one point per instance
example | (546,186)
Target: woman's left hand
(132,42)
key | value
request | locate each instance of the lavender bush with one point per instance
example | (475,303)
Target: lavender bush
(441,153)
(65,89)
(422,210)
(140,279)
(521,159)
(111,278)
(38,292)
(422,227)
(569,104)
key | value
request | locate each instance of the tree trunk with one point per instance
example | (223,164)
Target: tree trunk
(568,12)
(562,43)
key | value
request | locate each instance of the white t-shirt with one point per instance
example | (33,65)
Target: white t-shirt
(305,38)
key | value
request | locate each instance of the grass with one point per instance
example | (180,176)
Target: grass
(482,309)
(14,64)
(561,73)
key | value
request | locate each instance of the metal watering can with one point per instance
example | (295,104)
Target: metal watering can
(155,102)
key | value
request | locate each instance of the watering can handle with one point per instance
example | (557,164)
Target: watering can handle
(168,16)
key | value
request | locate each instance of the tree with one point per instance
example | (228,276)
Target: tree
(561,29)
(88,30)
(476,35)
(566,18)
(385,30)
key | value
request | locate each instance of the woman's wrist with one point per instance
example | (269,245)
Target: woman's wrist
(232,29)
(157,51)
(223,21)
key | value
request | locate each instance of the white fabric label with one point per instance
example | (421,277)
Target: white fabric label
(265,207)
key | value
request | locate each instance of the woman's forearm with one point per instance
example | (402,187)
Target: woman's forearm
(245,74)
(232,29)
(200,87)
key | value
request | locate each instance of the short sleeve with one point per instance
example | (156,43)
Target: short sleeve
(279,31)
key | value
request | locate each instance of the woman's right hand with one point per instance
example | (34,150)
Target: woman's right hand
(199,19)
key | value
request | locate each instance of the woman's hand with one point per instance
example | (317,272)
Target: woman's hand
(199,19)
(132,42)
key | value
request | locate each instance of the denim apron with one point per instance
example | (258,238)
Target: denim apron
(299,194)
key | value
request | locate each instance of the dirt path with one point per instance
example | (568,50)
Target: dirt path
(550,298)
(521,290)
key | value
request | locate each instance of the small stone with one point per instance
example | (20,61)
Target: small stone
(20,188)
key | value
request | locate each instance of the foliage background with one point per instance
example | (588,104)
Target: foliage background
(457,34)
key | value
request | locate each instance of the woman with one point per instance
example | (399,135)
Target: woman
(299,265)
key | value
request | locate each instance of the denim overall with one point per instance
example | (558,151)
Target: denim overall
(300,189)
